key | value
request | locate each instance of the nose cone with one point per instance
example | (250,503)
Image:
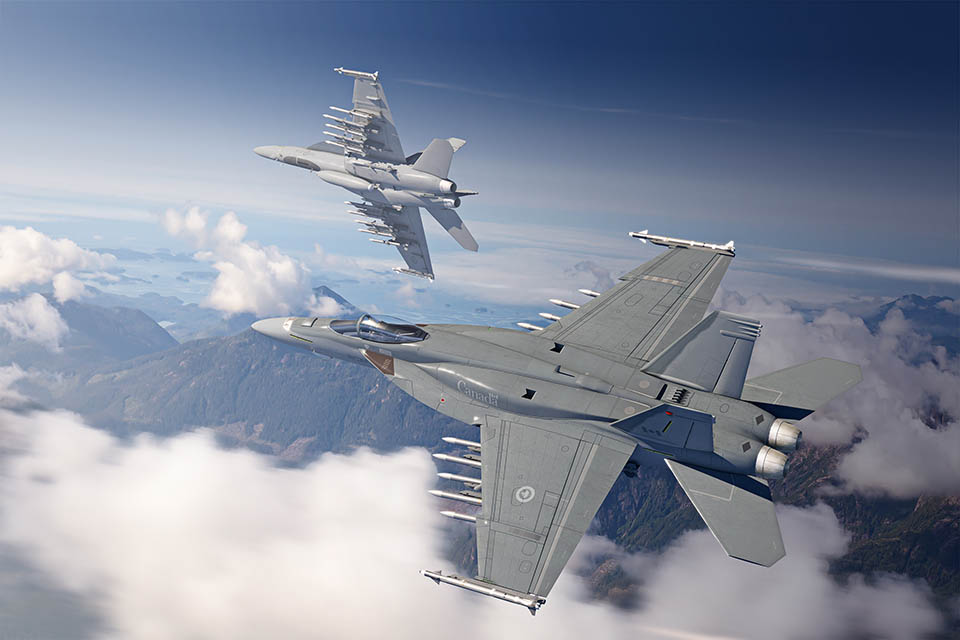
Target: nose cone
(271,151)
(271,327)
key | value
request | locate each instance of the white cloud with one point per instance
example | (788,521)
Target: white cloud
(951,306)
(33,319)
(28,257)
(324,306)
(9,376)
(67,287)
(261,280)
(904,375)
(179,538)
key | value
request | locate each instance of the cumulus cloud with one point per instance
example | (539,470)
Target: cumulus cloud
(251,278)
(33,319)
(897,449)
(29,257)
(10,375)
(67,287)
(795,598)
(603,278)
(950,306)
(179,538)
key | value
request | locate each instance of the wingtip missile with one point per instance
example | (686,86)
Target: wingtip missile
(363,75)
(665,241)
(529,600)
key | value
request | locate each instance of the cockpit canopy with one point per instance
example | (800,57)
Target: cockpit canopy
(369,328)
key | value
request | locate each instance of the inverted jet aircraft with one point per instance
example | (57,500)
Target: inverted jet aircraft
(633,375)
(364,156)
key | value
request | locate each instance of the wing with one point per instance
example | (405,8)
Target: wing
(737,509)
(401,228)
(369,131)
(650,307)
(541,485)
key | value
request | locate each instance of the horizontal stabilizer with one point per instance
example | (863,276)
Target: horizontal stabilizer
(450,221)
(737,509)
(436,158)
(796,392)
(712,356)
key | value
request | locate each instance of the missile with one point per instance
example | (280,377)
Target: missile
(589,292)
(549,316)
(455,496)
(459,516)
(448,458)
(564,304)
(363,75)
(411,272)
(530,601)
(377,233)
(346,131)
(664,241)
(344,122)
(345,147)
(357,113)
(345,140)
(461,442)
(392,243)
(474,482)
(529,327)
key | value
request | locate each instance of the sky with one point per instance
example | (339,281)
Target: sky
(821,137)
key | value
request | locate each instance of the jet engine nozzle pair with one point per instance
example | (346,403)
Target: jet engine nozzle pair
(772,463)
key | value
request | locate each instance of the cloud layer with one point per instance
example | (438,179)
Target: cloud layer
(34,319)
(901,448)
(179,538)
(29,257)
(251,278)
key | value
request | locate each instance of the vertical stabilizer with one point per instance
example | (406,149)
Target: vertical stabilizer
(436,158)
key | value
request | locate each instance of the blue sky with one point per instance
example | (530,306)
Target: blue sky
(824,131)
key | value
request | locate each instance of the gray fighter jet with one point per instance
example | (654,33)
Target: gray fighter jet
(364,156)
(633,375)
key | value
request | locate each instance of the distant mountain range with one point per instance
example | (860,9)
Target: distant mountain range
(937,315)
(98,335)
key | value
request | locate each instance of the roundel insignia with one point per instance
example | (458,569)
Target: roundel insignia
(524,494)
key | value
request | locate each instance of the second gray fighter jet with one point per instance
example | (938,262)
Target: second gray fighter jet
(364,156)
(633,375)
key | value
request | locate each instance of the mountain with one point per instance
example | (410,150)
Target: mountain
(937,315)
(260,393)
(97,335)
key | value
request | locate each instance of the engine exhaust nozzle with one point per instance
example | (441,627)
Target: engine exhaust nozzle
(784,436)
(771,463)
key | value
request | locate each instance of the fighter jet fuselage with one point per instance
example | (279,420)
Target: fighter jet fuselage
(380,182)
(460,370)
